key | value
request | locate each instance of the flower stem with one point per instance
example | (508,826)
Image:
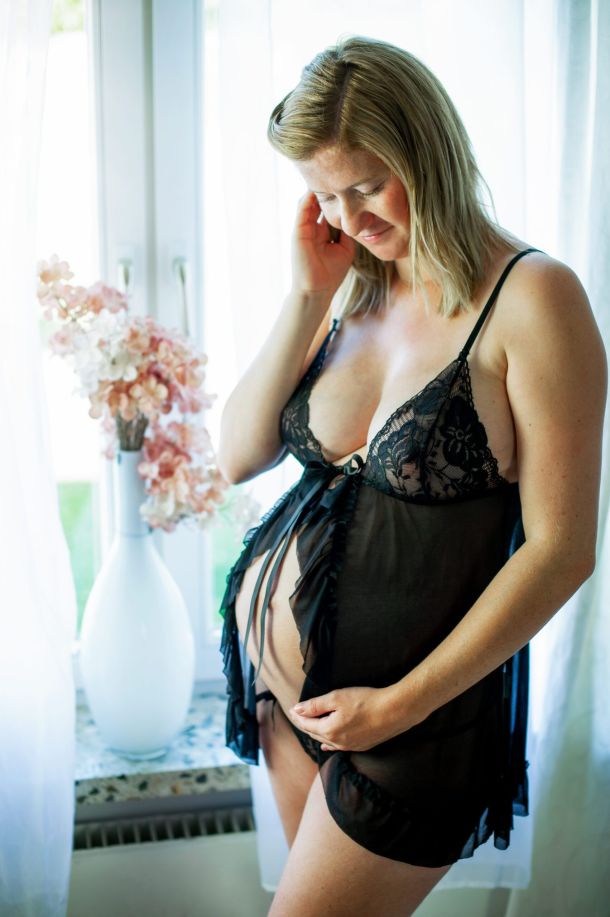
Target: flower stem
(131,432)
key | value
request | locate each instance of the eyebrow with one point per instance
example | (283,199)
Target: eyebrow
(361,182)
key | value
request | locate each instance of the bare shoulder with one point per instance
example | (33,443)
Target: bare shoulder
(547,317)
(545,295)
(556,383)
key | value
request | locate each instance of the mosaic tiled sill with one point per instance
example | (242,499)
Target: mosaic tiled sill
(197,762)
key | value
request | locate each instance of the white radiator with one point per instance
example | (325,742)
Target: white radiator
(188,864)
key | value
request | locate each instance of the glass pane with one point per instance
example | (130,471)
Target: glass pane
(224,541)
(67,225)
(78,502)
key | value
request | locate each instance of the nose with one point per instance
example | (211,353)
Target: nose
(353,217)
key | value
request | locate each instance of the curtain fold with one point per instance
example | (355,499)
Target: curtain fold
(571,841)
(37,601)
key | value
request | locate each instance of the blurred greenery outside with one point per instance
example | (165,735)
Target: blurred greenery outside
(78,505)
(78,502)
(68,16)
(226,545)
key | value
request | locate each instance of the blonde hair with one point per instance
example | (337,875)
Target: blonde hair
(367,94)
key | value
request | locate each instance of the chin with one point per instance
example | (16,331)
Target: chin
(391,253)
(388,250)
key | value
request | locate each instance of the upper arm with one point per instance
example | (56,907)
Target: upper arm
(266,456)
(556,383)
(316,343)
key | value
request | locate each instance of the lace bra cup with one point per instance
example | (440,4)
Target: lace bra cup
(433,447)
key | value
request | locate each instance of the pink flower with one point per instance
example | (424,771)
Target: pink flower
(101,297)
(53,270)
(137,338)
(146,385)
(148,395)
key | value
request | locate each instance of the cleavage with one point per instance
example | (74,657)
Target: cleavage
(350,385)
(357,398)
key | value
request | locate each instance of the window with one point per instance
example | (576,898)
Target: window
(121,183)
(67,224)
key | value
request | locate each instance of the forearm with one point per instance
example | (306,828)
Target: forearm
(525,593)
(249,436)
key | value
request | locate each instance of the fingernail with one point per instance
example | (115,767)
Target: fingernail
(299,708)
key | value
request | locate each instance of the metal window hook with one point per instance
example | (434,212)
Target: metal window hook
(125,275)
(180,269)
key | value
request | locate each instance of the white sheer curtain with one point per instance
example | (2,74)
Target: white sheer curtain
(570,873)
(37,604)
(531,82)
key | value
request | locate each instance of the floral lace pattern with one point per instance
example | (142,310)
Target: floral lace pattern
(294,419)
(432,448)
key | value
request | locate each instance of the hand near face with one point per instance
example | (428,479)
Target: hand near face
(319,265)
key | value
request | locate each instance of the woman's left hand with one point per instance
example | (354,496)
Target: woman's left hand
(349,719)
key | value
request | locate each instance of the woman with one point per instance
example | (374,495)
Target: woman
(448,502)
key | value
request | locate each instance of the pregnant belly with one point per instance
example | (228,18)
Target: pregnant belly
(281,670)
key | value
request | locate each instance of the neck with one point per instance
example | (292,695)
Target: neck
(405,297)
(403,274)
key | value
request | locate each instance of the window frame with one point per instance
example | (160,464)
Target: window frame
(142,56)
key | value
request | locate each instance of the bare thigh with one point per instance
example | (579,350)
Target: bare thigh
(291,770)
(327,874)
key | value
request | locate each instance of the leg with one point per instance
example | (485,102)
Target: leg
(327,874)
(291,770)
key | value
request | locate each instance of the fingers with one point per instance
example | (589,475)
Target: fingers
(310,206)
(315,706)
(308,212)
(309,197)
(334,233)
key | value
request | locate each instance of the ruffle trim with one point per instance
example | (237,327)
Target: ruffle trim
(384,825)
(326,521)
(316,588)
(241,730)
(371,790)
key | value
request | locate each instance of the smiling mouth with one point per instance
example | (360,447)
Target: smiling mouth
(375,235)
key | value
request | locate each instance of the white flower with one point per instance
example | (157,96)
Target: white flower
(118,363)
(160,506)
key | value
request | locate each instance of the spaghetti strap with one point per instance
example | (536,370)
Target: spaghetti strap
(486,308)
(322,348)
(319,356)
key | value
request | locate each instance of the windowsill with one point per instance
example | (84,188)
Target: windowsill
(198,762)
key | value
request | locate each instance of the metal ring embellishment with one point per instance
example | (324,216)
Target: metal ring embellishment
(348,468)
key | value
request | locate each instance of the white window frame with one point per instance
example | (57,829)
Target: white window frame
(145,54)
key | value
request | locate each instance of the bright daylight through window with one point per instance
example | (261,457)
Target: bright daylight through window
(67,225)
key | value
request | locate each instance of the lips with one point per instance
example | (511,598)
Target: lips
(373,236)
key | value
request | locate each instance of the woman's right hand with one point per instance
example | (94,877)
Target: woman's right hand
(318,264)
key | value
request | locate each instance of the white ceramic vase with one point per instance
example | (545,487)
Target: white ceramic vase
(137,651)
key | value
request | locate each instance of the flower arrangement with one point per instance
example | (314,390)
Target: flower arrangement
(146,384)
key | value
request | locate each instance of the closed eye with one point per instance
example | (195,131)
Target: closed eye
(373,192)
(328,200)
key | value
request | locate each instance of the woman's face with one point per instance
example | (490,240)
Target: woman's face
(359,195)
